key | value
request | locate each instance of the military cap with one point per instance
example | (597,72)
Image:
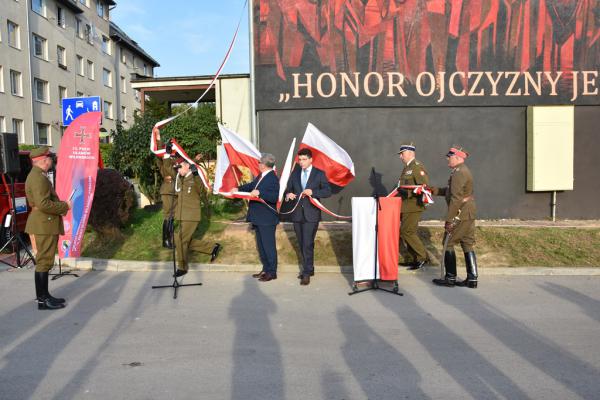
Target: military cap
(458,151)
(39,152)
(407,146)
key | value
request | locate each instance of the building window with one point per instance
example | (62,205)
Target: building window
(1,79)
(79,94)
(61,57)
(89,36)
(16,87)
(108,110)
(2,124)
(123,85)
(123,56)
(85,2)
(90,71)
(62,94)
(106,45)
(17,127)
(136,94)
(145,70)
(14,36)
(78,28)
(39,46)
(106,77)
(100,9)
(60,17)
(80,70)
(39,6)
(41,90)
(43,136)
(124,113)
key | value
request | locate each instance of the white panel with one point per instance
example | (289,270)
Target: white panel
(550,148)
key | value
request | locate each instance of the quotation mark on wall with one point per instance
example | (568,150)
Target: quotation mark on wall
(284,97)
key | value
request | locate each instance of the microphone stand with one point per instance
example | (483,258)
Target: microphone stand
(374,282)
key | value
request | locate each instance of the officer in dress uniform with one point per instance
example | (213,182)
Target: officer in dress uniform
(168,196)
(460,219)
(44,224)
(188,211)
(414,173)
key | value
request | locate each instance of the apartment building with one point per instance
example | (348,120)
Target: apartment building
(51,49)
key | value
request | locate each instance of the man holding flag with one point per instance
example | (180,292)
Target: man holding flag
(263,215)
(306,181)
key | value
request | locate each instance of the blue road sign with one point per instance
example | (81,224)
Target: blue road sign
(73,107)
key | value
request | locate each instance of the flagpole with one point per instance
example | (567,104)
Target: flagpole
(253,125)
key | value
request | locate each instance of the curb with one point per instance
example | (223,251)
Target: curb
(92,264)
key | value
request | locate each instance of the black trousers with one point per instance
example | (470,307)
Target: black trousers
(267,248)
(305,234)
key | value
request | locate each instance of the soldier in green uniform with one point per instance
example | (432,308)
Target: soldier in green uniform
(168,196)
(414,173)
(460,219)
(189,188)
(44,224)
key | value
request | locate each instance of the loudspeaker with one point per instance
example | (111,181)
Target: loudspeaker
(9,153)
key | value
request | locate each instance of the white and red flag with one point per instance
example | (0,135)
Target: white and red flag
(237,152)
(328,156)
(285,173)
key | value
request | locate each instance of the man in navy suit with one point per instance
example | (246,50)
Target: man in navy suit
(310,181)
(264,219)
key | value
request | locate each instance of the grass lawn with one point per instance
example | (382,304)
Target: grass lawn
(509,246)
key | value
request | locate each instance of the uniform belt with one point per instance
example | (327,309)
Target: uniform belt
(468,198)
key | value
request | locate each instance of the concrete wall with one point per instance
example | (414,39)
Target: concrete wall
(496,137)
(233,104)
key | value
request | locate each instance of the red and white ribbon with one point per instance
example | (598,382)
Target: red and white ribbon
(421,190)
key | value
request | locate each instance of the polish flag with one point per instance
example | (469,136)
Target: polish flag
(285,173)
(235,152)
(227,176)
(328,156)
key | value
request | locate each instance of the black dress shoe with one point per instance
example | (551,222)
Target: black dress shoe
(267,277)
(472,284)
(215,252)
(57,300)
(259,275)
(179,272)
(407,263)
(301,275)
(447,281)
(47,304)
(305,280)
(417,265)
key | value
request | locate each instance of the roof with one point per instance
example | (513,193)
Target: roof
(189,78)
(117,33)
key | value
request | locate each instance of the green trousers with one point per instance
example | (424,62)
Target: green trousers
(463,233)
(183,239)
(46,246)
(169,202)
(408,233)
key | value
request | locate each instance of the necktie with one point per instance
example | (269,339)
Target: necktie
(304,178)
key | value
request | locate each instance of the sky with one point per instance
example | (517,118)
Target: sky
(187,37)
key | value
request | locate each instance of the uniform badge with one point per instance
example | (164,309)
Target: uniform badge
(189,190)
(409,172)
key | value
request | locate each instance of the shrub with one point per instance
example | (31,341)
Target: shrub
(113,201)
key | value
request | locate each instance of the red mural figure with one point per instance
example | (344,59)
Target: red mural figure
(412,36)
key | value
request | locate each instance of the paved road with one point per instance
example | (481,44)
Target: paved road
(235,338)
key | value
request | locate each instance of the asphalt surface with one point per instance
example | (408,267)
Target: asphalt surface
(516,337)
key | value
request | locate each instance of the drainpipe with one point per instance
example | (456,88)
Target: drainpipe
(253,125)
(27,30)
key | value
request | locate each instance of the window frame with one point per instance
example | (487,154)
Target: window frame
(45,91)
(16,34)
(19,85)
(44,46)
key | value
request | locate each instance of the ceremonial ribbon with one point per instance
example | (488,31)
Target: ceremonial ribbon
(160,124)
(422,190)
(314,202)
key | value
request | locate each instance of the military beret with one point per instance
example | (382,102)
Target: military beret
(458,151)
(39,152)
(407,146)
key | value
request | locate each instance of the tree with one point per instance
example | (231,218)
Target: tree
(196,131)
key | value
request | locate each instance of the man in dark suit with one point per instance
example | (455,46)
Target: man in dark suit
(310,181)
(264,218)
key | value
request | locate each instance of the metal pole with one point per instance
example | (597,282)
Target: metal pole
(253,125)
(554,206)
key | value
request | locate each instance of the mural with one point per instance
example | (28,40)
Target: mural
(357,53)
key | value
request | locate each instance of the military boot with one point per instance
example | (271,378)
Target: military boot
(450,265)
(471,262)
(166,239)
(44,299)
